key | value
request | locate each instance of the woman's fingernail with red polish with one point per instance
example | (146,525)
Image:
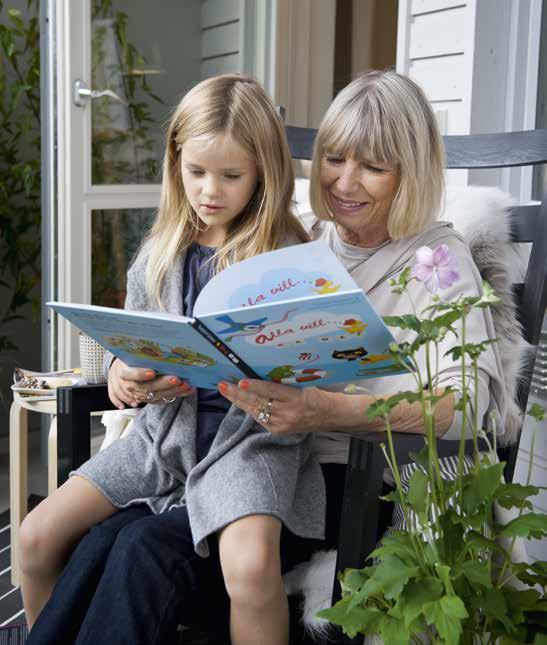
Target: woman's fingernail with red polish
(149,374)
(244,385)
(174,381)
(222,387)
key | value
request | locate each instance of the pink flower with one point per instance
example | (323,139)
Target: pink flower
(437,268)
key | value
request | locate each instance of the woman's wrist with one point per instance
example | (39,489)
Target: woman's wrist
(346,411)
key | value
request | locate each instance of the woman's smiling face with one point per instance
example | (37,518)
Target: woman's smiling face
(359,195)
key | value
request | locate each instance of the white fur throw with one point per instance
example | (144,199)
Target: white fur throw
(479,214)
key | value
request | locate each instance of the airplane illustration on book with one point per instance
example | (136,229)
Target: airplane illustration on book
(252,325)
(247,328)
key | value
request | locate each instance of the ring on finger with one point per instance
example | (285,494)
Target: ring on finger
(168,400)
(265,412)
(150,396)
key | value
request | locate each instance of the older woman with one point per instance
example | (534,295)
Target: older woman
(376,188)
(377,185)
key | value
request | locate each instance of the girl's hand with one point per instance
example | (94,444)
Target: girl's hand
(135,385)
(281,408)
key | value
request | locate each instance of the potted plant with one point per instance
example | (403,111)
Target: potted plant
(449,575)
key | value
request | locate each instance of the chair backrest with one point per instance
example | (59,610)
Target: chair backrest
(529,222)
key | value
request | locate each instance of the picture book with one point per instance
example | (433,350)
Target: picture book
(292,316)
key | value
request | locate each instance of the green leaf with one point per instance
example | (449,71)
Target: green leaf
(421,458)
(353,620)
(528,525)
(416,594)
(452,542)
(394,631)
(408,321)
(478,573)
(481,486)
(398,543)
(389,577)
(515,495)
(536,411)
(418,491)
(446,615)
(353,579)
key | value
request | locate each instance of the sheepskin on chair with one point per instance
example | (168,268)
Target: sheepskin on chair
(480,215)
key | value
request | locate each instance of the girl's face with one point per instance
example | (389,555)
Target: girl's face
(219,178)
(359,194)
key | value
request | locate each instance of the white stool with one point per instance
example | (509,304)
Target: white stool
(18,466)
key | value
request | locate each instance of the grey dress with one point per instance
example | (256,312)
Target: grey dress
(247,470)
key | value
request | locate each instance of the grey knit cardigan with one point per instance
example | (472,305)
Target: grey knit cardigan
(247,471)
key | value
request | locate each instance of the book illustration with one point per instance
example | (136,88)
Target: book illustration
(349,354)
(290,375)
(325,286)
(308,357)
(375,358)
(144,348)
(386,370)
(353,326)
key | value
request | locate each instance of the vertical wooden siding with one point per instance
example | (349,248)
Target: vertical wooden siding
(220,37)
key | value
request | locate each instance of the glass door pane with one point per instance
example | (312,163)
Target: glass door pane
(116,235)
(147,54)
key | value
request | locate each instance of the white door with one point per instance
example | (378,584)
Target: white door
(121,66)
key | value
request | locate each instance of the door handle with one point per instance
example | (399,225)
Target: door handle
(82,93)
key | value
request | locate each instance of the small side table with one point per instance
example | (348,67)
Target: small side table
(18,466)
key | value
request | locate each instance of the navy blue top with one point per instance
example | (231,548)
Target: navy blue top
(212,406)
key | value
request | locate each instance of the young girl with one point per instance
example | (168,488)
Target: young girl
(226,193)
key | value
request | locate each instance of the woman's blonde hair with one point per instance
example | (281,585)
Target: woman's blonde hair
(385,117)
(236,106)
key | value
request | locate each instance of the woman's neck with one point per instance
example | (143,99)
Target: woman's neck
(367,238)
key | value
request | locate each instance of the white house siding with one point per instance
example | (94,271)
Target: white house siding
(220,37)
(434,48)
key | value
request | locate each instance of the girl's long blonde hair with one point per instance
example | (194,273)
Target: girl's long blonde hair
(237,106)
(386,117)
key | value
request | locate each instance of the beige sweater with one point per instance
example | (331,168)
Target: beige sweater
(372,273)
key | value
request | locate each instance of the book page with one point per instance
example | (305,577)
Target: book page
(287,274)
(166,343)
(318,340)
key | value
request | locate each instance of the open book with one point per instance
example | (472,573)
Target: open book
(292,316)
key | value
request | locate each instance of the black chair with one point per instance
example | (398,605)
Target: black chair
(362,524)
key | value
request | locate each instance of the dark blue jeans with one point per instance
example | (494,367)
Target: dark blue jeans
(135,577)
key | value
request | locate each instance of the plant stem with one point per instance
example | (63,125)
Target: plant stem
(461,448)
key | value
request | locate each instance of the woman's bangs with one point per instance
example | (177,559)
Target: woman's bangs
(348,138)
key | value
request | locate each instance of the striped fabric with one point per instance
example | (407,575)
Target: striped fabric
(11,602)
(449,469)
(15,635)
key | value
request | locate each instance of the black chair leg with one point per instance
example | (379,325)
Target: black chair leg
(74,406)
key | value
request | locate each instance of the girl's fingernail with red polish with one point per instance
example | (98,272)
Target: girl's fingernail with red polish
(149,374)
(244,385)
(222,387)
(174,381)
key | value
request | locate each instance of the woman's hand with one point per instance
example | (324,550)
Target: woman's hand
(135,385)
(281,408)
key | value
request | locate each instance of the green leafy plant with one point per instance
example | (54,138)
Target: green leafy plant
(449,575)
(19,166)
